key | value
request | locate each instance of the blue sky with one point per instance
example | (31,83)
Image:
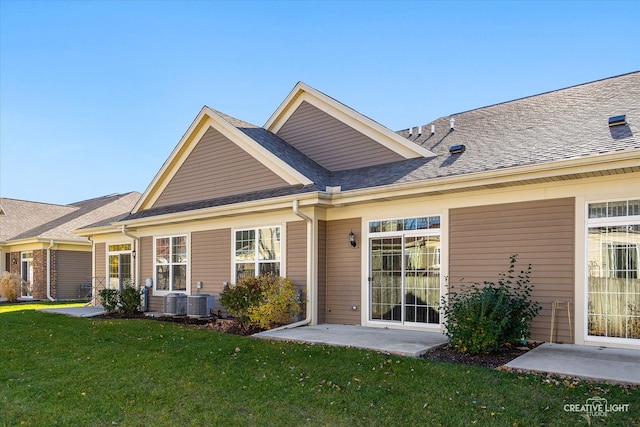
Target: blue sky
(95,95)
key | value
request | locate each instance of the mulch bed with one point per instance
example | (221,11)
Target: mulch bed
(506,354)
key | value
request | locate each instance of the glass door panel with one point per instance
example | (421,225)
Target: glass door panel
(405,279)
(386,279)
(120,271)
(26,287)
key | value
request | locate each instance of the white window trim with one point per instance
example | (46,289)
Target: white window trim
(162,292)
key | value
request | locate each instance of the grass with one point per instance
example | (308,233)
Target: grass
(57,370)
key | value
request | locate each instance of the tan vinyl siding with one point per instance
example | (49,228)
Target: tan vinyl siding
(330,142)
(147,264)
(481,240)
(73,268)
(217,167)
(343,273)
(100,260)
(297,254)
(211,262)
(322,271)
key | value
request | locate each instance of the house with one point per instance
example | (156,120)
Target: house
(37,242)
(376,226)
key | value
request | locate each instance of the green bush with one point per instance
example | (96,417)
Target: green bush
(109,299)
(129,299)
(278,305)
(265,301)
(482,318)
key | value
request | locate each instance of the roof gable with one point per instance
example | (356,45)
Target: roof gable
(228,134)
(334,135)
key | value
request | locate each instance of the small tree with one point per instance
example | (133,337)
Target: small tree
(481,318)
(10,286)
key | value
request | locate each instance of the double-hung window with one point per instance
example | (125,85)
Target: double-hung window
(171,263)
(257,252)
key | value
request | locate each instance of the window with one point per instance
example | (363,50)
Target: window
(171,263)
(257,252)
(613,253)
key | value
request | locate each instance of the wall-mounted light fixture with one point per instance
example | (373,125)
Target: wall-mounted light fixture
(352,239)
(14,261)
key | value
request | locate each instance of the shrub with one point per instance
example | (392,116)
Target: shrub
(239,298)
(129,299)
(265,301)
(109,299)
(10,286)
(278,305)
(482,318)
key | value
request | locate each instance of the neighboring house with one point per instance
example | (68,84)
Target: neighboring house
(37,242)
(377,225)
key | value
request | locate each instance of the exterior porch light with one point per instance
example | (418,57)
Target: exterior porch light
(352,239)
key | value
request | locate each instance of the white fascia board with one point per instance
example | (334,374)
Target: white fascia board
(503,176)
(205,119)
(348,116)
(151,194)
(243,208)
(253,148)
(45,240)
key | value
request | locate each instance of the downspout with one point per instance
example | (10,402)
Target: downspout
(136,248)
(311,297)
(49,297)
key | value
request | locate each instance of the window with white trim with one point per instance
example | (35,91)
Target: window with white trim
(257,252)
(171,263)
(613,255)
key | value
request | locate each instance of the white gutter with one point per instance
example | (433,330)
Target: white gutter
(136,248)
(49,271)
(312,300)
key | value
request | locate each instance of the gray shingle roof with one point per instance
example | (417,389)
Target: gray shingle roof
(25,219)
(550,127)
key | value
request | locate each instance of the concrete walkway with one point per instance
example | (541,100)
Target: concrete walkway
(86,311)
(613,365)
(394,341)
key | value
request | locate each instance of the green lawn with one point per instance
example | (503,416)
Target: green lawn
(57,370)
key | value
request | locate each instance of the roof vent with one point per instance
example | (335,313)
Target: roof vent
(457,149)
(433,129)
(410,132)
(618,120)
(420,131)
(452,123)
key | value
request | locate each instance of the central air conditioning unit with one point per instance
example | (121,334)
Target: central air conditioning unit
(199,305)
(175,305)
